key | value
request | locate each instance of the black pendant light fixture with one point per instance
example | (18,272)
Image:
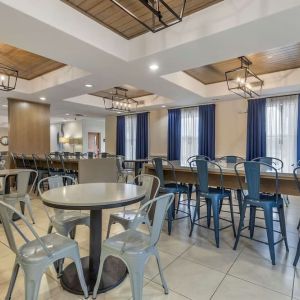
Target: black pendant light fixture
(242,81)
(8,78)
(118,101)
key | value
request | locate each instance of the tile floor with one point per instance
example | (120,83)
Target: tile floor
(194,267)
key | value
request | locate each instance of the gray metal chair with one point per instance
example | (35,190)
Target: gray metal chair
(35,256)
(64,221)
(125,218)
(135,247)
(123,173)
(22,194)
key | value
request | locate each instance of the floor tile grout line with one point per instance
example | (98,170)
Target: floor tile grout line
(264,287)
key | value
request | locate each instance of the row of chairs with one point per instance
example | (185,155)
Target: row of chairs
(214,196)
(56,247)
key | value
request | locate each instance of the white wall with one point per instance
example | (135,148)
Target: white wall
(93,125)
(77,129)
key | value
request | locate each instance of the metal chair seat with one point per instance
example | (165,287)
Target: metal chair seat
(265,199)
(174,188)
(73,216)
(216,191)
(57,245)
(136,242)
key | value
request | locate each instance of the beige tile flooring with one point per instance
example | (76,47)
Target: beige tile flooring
(194,268)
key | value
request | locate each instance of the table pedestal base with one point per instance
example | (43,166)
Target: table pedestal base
(114,272)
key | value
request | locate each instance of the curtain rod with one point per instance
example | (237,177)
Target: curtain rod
(277,95)
(196,105)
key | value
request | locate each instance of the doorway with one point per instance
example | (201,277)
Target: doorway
(94,142)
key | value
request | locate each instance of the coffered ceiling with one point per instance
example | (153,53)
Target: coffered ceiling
(28,64)
(110,15)
(131,93)
(274,60)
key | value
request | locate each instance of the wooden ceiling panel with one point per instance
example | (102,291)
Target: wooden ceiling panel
(110,15)
(28,64)
(132,92)
(274,60)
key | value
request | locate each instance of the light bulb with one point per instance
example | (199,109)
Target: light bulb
(2,78)
(238,79)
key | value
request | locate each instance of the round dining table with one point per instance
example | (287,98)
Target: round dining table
(94,197)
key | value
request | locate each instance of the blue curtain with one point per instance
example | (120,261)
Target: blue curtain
(298,131)
(256,128)
(142,135)
(207,130)
(174,132)
(120,135)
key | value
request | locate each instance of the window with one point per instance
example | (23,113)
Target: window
(281,129)
(189,133)
(130,136)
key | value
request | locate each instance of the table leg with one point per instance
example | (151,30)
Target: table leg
(114,270)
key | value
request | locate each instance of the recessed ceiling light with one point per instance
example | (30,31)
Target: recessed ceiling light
(270,56)
(118,112)
(43,98)
(163,106)
(4,105)
(154,67)
(67,114)
(88,85)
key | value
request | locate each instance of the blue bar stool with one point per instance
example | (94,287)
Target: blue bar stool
(298,227)
(213,196)
(171,185)
(257,199)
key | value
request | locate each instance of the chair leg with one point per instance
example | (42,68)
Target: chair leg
(78,264)
(136,275)
(298,227)
(216,209)
(297,254)
(109,227)
(178,203)
(241,225)
(268,212)
(208,208)
(97,284)
(232,215)
(170,217)
(197,210)
(27,202)
(282,226)
(73,233)
(252,220)
(50,227)
(32,286)
(12,281)
(239,199)
(163,281)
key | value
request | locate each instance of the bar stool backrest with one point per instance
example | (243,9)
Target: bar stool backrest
(252,177)
(158,164)
(272,161)
(193,157)
(231,159)
(200,167)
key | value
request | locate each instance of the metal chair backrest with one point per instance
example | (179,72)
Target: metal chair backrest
(119,162)
(90,155)
(13,159)
(193,157)
(252,178)
(6,214)
(162,204)
(272,161)
(231,159)
(158,164)
(22,181)
(150,183)
(200,168)
(295,172)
